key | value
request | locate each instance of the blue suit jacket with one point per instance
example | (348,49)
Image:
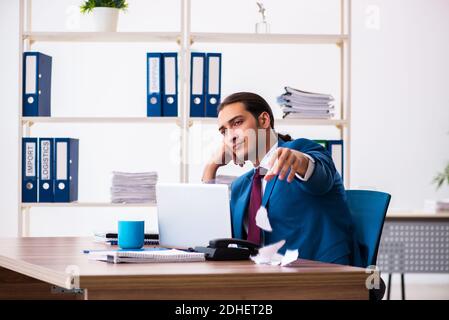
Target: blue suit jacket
(311,216)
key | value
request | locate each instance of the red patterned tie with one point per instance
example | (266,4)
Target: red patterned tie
(254,205)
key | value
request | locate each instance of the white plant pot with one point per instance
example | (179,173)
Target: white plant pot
(104,19)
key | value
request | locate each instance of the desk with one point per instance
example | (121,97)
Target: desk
(414,243)
(47,268)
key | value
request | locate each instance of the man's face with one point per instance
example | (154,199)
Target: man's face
(239,129)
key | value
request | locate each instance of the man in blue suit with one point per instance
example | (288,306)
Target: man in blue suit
(295,180)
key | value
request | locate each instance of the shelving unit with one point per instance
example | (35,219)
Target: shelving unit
(185,38)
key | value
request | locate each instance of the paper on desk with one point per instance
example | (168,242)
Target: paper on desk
(262,220)
(268,254)
(289,257)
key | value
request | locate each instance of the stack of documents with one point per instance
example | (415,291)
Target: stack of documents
(133,187)
(442,206)
(306,105)
(148,255)
(111,238)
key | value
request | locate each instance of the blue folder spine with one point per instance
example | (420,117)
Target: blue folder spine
(213,83)
(46,169)
(66,168)
(170,86)
(336,149)
(197,84)
(36,85)
(29,169)
(155,87)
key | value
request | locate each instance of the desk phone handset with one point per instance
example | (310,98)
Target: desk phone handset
(219,249)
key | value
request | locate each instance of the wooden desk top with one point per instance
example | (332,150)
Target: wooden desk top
(52,259)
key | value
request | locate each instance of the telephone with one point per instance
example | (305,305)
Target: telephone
(219,250)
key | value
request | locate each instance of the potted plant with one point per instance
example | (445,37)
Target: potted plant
(441,177)
(104,13)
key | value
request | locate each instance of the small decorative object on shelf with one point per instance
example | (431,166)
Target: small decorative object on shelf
(104,13)
(263,26)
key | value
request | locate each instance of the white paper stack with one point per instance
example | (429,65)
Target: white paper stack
(130,187)
(442,206)
(306,105)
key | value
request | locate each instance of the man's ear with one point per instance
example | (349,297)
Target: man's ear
(264,120)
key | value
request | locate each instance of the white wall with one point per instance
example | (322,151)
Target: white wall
(400,107)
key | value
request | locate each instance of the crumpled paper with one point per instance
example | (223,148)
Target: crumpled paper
(269,255)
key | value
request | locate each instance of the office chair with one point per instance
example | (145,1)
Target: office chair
(368,210)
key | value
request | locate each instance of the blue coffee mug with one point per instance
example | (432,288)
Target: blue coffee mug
(131,234)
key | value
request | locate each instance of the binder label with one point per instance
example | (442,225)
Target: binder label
(153,84)
(214,75)
(170,75)
(30,160)
(61,161)
(197,81)
(30,76)
(45,160)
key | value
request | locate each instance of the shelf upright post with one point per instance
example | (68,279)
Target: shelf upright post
(24,45)
(185,86)
(345,84)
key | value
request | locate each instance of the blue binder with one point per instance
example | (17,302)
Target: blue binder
(197,84)
(154,84)
(46,169)
(29,169)
(335,148)
(36,84)
(213,83)
(66,169)
(170,87)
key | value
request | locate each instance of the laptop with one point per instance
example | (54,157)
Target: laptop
(191,215)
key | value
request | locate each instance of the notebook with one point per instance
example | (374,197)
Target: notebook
(148,255)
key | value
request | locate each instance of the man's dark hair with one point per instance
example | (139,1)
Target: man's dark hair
(255,105)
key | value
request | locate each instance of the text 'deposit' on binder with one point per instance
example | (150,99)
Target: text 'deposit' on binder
(36,85)
(46,169)
(66,169)
(29,169)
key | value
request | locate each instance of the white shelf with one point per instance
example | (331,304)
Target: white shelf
(269,38)
(184,38)
(199,37)
(280,122)
(34,120)
(102,36)
(85,205)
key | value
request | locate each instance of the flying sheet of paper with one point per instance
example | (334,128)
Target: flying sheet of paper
(267,253)
(262,220)
(265,163)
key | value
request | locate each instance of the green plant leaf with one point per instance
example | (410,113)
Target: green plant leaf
(89,5)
